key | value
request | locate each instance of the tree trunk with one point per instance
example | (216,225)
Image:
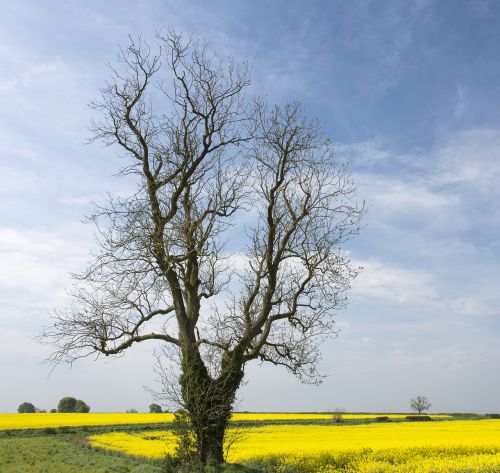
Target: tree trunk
(211,444)
(209,403)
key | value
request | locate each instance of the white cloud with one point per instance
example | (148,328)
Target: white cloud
(365,152)
(447,359)
(444,192)
(470,161)
(396,196)
(47,94)
(35,267)
(473,306)
(394,283)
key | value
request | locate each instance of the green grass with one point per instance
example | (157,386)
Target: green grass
(63,454)
(67,453)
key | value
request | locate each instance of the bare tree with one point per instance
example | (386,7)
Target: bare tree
(420,404)
(203,156)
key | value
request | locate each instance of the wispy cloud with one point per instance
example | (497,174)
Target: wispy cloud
(393,283)
(460,104)
(432,224)
(35,267)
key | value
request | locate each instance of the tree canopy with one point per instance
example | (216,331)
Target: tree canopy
(420,404)
(71,404)
(26,408)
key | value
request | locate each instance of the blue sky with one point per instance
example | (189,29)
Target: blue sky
(409,94)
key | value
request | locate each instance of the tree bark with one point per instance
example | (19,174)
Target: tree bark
(211,444)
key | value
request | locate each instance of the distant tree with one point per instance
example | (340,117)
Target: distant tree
(26,408)
(155,409)
(66,404)
(53,411)
(338,415)
(131,411)
(71,404)
(80,406)
(420,404)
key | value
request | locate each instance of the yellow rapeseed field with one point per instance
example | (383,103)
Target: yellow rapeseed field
(468,446)
(151,444)
(44,420)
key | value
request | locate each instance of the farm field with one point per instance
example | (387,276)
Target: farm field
(393,447)
(49,420)
(269,443)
